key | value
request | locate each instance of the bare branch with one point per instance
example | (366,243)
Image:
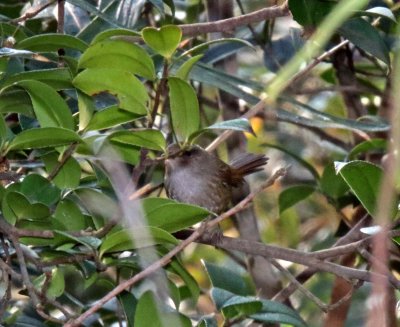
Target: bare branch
(229,24)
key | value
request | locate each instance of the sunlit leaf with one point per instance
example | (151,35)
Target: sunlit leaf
(184,108)
(130,92)
(164,40)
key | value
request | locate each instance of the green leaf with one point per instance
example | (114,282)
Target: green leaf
(149,312)
(57,78)
(363,179)
(37,138)
(110,117)
(129,303)
(113,33)
(125,240)
(57,283)
(127,153)
(332,184)
(51,42)
(92,243)
(170,215)
(185,112)
(275,312)
(372,144)
(240,306)
(86,108)
(3,131)
(184,70)
(147,138)
(70,173)
(16,206)
(292,195)
(131,93)
(363,35)
(50,108)
(310,12)
(38,189)
(16,100)
(68,215)
(227,279)
(187,278)
(120,55)
(164,40)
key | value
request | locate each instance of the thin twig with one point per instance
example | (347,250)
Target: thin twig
(229,24)
(293,279)
(32,12)
(66,155)
(24,271)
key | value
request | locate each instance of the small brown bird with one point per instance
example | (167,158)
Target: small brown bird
(197,177)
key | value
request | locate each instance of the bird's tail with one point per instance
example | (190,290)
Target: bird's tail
(248,163)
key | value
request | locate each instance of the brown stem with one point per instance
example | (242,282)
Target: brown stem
(229,24)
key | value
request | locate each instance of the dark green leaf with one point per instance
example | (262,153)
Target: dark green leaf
(292,195)
(164,40)
(332,184)
(185,113)
(38,189)
(275,312)
(129,303)
(234,306)
(92,243)
(372,144)
(116,82)
(363,35)
(187,278)
(16,100)
(42,138)
(227,279)
(310,13)
(363,179)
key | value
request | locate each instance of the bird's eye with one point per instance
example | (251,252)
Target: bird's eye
(187,153)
